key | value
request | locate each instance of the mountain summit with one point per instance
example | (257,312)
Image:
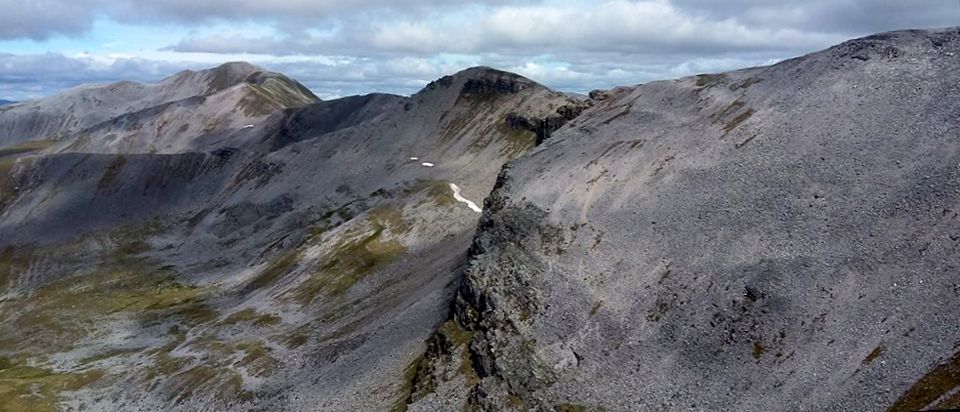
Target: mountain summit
(205,95)
(778,237)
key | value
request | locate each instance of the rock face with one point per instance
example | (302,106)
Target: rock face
(773,238)
(780,237)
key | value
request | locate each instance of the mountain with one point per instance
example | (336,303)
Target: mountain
(313,262)
(778,237)
(208,105)
(6,102)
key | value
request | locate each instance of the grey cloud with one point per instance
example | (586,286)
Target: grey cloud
(398,46)
(30,76)
(24,77)
(43,19)
(850,17)
(39,20)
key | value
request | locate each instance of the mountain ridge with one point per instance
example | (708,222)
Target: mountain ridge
(760,209)
(767,237)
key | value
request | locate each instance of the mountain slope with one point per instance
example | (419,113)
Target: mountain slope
(780,237)
(304,270)
(771,238)
(131,117)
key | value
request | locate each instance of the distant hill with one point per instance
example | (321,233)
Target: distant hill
(3,102)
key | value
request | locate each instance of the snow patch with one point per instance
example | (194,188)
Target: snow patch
(427,164)
(414,158)
(249,126)
(461,199)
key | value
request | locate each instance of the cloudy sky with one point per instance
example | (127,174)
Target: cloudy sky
(344,47)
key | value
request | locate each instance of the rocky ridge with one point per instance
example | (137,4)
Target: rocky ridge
(769,238)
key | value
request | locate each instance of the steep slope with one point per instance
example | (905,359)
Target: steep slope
(303,270)
(136,118)
(778,238)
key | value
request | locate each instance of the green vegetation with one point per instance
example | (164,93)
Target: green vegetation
(7,181)
(570,407)
(209,368)
(710,80)
(758,350)
(515,141)
(26,147)
(460,338)
(28,388)
(222,384)
(294,340)
(732,124)
(938,382)
(405,393)
(212,124)
(257,358)
(727,111)
(359,252)
(874,354)
(113,284)
(250,316)
(110,175)
(278,267)
(62,313)
(272,95)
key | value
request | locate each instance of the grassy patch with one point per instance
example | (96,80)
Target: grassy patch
(270,96)
(515,142)
(406,388)
(251,317)
(359,252)
(225,385)
(460,337)
(8,182)
(60,314)
(436,191)
(13,262)
(26,388)
(63,313)
(758,350)
(278,267)
(570,407)
(709,80)
(26,147)
(727,111)
(940,381)
(294,340)
(732,124)
(111,173)
(257,359)
(873,355)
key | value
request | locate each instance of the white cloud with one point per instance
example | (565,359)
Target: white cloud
(349,47)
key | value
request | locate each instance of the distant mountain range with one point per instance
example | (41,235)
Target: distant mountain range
(772,238)
(3,102)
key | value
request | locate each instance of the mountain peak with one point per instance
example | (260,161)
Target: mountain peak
(482,81)
(218,78)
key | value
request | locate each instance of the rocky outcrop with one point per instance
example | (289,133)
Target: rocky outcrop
(544,127)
